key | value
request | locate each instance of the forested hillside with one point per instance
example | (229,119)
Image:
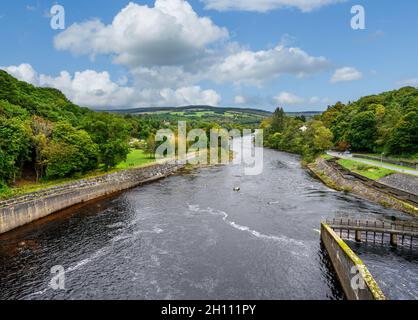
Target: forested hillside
(386,122)
(43,132)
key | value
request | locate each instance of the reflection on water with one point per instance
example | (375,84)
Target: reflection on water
(192,237)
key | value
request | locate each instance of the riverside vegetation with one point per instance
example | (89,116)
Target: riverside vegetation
(385,123)
(45,139)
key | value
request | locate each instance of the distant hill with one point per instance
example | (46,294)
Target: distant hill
(194,108)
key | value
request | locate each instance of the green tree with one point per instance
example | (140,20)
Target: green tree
(404,139)
(14,147)
(278,120)
(362,132)
(112,134)
(151,146)
(70,152)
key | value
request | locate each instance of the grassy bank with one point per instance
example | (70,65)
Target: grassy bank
(368,171)
(135,159)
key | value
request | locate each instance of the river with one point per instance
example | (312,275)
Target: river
(191,236)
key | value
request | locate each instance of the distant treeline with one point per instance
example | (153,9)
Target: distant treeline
(194,108)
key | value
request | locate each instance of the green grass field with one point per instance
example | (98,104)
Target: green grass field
(368,171)
(326,156)
(136,158)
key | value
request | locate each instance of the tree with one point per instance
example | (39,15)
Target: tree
(317,140)
(404,139)
(112,134)
(41,135)
(278,121)
(70,152)
(151,146)
(14,147)
(362,132)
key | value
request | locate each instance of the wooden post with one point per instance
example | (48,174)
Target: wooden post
(393,240)
(358,235)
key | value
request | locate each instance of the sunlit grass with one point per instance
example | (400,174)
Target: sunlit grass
(368,171)
(136,158)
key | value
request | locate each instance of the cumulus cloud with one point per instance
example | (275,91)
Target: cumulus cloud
(287,98)
(267,5)
(169,51)
(251,67)
(97,90)
(170,45)
(169,33)
(346,74)
(23,72)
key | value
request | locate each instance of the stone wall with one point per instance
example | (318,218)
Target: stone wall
(336,180)
(348,265)
(19,211)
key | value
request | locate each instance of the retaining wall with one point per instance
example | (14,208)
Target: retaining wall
(401,194)
(22,210)
(336,179)
(343,260)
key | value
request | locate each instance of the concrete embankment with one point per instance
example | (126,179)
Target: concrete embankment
(355,278)
(336,180)
(22,210)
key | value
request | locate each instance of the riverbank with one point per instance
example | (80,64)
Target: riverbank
(336,180)
(18,211)
(135,159)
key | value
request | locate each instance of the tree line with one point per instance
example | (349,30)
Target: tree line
(296,135)
(41,130)
(384,123)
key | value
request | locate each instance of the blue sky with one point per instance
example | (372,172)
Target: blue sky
(212,51)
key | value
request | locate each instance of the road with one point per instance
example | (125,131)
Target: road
(373,163)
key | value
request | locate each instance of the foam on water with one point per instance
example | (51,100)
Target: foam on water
(257,234)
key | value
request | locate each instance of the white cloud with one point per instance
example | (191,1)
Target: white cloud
(346,74)
(409,82)
(251,67)
(289,99)
(240,100)
(170,33)
(267,5)
(169,45)
(23,72)
(97,90)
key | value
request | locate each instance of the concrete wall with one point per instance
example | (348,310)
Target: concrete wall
(18,212)
(336,179)
(343,260)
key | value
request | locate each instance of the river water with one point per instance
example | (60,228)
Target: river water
(191,236)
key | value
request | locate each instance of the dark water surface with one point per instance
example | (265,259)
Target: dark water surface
(192,237)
